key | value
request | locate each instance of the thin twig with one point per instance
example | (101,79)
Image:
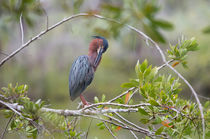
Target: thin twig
(204,97)
(128,123)
(67,126)
(132,96)
(162,66)
(21,29)
(88,128)
(110,131)
(47,18)
(115,104)
(2,136)
(121,94)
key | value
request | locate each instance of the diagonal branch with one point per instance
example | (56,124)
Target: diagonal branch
(39,35)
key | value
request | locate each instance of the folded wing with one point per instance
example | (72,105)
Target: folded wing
(81,75)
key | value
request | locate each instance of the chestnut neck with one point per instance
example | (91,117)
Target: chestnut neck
(92,53)
(92,57)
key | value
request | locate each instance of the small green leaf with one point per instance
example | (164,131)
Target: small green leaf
(142,111)
(159,131)
(99,124)
(163,24)
(13,125)
(72,133)
(144,65)
(96,100)
(137,68)
(128,85)
(103,98)
(153,102)
(144,121)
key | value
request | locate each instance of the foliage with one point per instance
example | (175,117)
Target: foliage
(162,93)
(142,13)
(179,51)
(18,94)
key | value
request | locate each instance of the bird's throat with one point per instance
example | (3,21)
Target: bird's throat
(92,57)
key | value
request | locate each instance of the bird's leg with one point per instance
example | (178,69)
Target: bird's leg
(83,100)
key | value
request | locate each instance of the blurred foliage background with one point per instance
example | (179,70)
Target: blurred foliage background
(45,64)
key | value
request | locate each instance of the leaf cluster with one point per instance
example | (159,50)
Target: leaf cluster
(18,94)
(142,12)
(179,52)
(167,113)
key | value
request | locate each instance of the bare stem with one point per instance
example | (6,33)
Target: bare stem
(21,28)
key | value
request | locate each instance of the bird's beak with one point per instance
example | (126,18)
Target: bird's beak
(100,52)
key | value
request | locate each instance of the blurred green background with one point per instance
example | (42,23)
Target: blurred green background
(45,64)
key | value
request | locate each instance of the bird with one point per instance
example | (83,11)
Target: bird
(83,68)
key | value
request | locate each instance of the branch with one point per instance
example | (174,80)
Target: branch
(95,113)
(115,104)
(121,94)
(21,28)
(15,108)
(39,35)
(162,66)
(110,131)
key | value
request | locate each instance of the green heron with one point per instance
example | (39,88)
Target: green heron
(84,67)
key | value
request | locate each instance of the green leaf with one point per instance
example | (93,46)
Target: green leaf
(159,131)
(207,104)
(144,121)
(128,85)
(137,68)
(208,134)
(142,111)
(144,65)
(206,30)
(72,133)
(13,125)
(96,100)
(153,102)
(157,120)
(163,24)
(99,124)
(103,98)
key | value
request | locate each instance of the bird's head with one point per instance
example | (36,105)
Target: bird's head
(98,44)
